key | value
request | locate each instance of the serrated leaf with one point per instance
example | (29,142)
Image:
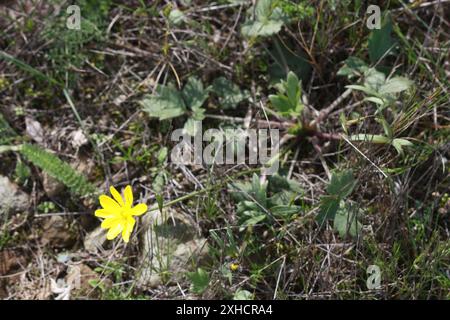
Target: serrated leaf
(176,17)
(395,85)
(263,9)
(278,183)
(327,209)
(198,114)
(269,20)
(167,103)
(199,280)
(374,79)
(191,127)
(341,184)
(284,191)
(229,94)
(194,93)
(263,29)
(281,103)
(353,66)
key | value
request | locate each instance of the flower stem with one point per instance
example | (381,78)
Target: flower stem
(10,148)
(214,187)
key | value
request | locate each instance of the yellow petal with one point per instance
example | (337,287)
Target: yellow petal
(139,209)
(114,231)
(117,196)
(102,213)
(128,193)
(128,229)
(108,203)
(110,223)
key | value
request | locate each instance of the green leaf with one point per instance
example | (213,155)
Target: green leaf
(293,88)
(229,94)
(263,29)
(198,114)
(162,155)
(58,169)
(281,104)
(191,127)
(7,134)
(364,89)
(167,103)
(194,94)
(374,138)
(380,40)
(286,60)
(263,9)
(341,184)
(374,79)
(27,68)
(199,280)
(386,127)
(160,202)
(159,181)
(22,172)
(176,17)
(284,211)
(259,190)
(288,100)
(378,101)
(327,208)
(269,20)
(352,67)
(346,222)
(253,218)
(398,144)
(284,190)
(243,295)
(395,85)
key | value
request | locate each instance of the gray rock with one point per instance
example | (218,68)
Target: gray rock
(12,199)
(170,248)
(52,187)
(57,233)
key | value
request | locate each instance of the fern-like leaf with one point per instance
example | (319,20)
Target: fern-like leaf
(58,169)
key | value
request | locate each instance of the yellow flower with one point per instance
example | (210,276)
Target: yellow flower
(234,266)
(119,212)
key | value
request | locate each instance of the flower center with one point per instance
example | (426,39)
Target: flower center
(124,213)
